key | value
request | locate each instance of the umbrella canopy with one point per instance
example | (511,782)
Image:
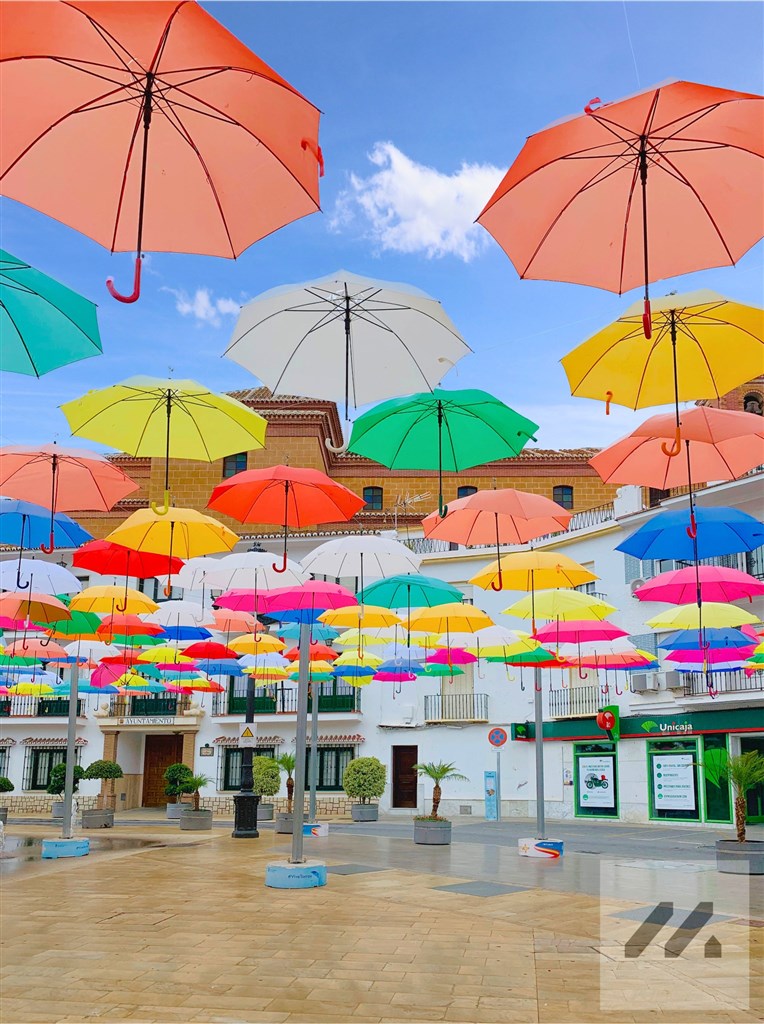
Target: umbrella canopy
(225,621)
(448,618)
(305,603)
(719,531)
(409,591)
(391,338)
(242,570)
(107,600)
(110,559)
(532,570)
(42,650)
(359,616)
(30,606)
(180,634)
(576,631)
(443,430)
(442,671)
(23,524)
(661,183)
(43,323)
(562,605)
(361,556)
(316,652)
(175,419)
(687,616)
(720,637)
(209,650)
(263,643)
(352,658)
(712,656)
(126,626)
(717,583)
(81,625)
(178,613)
(44,577)
(451,656)
(318,632)
(182,125)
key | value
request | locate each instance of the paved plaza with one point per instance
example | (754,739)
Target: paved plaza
(169,926)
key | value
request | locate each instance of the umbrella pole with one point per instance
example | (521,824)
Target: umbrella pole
(165,508)
(67,826)
(283,566)
(123,607)
(298,801)
(48,549)
(19,584)
(314,697)
(675,448)
(498,583)
(167,589)
(344,446)
(538,732)
(647,322)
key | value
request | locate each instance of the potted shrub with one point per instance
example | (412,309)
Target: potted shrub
(195,818)
(365,779)
(6,786)
(57,784)
(266,779)
(741,856)
(433,830)
(103,815)
(284,820)
(175,775)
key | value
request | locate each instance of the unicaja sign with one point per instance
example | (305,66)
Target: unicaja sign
(673,727)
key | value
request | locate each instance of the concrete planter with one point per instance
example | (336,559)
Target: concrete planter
(4,815)
(284,824)
(174,811)
(264,812)
(57,809)
(98,819)
(734,858)
(196,821)
(365,812)
(429,832)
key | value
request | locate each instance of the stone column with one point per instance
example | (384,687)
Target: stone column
(107,798)
(189,746)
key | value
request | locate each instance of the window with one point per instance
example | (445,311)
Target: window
(234,464)
(595,780)
(332,762)
(673,779)
(466,491)
(39,762)
(4,753)
(656,495)
(229,765)
(373,498)
(754,403)
(563,495)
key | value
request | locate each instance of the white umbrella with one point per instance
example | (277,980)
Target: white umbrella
(193,574)
(178,613)
(44,577)
(363,556)
(93,650)
(252,570)
(392,339)
(271,660)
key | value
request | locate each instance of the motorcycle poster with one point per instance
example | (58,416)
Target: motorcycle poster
(596,781)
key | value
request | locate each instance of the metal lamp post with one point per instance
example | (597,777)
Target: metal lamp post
(246,800)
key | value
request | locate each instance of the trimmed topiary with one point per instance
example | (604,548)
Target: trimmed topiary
(365,779)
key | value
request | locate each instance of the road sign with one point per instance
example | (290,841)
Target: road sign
(497,736)
(247,737)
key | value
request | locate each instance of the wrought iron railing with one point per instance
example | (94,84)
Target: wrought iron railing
(456,707)
(696,683)
(37,707)
(339,697)
(575,701)
(143,707)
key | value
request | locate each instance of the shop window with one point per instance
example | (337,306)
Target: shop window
(673,780)
(332,762)
(233,464)
(563,495)
(595,780)
(466,491)
(716,788)
(373,498)
(229,765)
(39,762)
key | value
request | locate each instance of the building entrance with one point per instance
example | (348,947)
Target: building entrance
(404,776)
(161,751)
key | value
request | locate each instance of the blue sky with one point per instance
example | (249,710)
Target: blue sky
(416,97)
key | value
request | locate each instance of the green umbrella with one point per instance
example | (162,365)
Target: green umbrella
(137,640)
(43,323)
(434,669)
(80,624)
(537,657)
(409,591)
(443,430)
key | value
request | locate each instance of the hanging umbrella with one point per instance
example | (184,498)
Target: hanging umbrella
(317,651)
(209,650)
(704,346)
(562,605)
(392,339)
(451,656)
(686,616)
(246,601)
(225,621)
(127,626)
(305,604)
(409,591)
(721,637)
(717,583)
(577,631)
(82,625)
(366,659)
(448,619)
(567,210)
(106,599)
(441,671)
(719,531)
(361,556)
(263,643)
(359,616)
(23,524)
(318,632)
(443,430)
(532,570)
(714,656)
(175,613)
(110,559)
(152,417)
(244,569)
(182,634)
(45,577)
(173,92)
(43,323)
(33,607)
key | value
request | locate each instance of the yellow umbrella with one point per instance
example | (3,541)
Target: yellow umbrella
(563,605)
(352,658)
(448,618)
(164,655)
(31,690)
(266,673)
(106,599)
(379,637)
(263,643)
(178,419)
(359,616)
(523,646)
(712,614)
(532,570)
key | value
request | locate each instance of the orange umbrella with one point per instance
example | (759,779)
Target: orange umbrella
(682,159)
(149,126)
(44,650)
(32,607)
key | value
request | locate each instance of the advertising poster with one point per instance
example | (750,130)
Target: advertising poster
(491,796)
(596,781)
(673,782)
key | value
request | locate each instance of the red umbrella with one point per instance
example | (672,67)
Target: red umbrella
(110,559)
(209,650)
(153,128)
(127,625)
(287,496)
(318,652)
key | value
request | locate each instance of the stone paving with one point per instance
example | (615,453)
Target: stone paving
(187,932)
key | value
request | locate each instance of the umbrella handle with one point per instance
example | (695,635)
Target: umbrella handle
(647,320)
(605,690)
(120,607)
(161,510)
(283,566)
(167,589)
(316,151)
(336,450)
(46,641)
(510,679)
(19,584)
(582,675)
(48,548)
(608,400)
(619,693)
(675,448)
(536,687)
(136,284)
(499,580)
(692,529)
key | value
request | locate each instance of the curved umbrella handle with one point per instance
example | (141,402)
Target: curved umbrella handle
(647,320)
(510,679)
(46,641)
(582,675)
(316,151)
(24,644)
(161,510)
(167,588)
(19,584)
(283,566)
(522,684)
(608,400)
(563,684)
(133,297)
(605,690)
(675,447)
(50,547)
(619,693)
(336,450)
(692,529)
(121,607)
(499,580)
(536,687)
(590,108)
(442,509)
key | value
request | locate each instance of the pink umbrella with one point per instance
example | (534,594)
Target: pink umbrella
(618,659)
(19,626)
(717,583)
(311,596)
(45,650)
(246,601)
(712,656)
(395,677)
(451,656)
(578,631)
(108,674)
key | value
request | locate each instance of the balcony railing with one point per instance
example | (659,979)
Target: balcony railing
(284,702)
(37,707)
(575,701)
(143,707)
(695,684)
(456,707)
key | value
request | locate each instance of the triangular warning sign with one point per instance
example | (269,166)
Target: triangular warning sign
(247,734)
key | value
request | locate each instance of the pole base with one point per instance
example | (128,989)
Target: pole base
(245,816)
(548,849)
(281,874)
(52,849)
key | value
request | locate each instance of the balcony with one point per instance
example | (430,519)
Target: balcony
(333,698)
(37,707)
(143,706)
(456,707)
(723,682)
(575,702)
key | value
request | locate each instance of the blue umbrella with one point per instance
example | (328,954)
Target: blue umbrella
(687,639)
(720,531)
(228,667)
(402,665)
(23,524)
(185,633)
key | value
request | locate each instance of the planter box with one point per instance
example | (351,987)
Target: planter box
(57,808)
(4,815)
(365,812)
(432,833)
(174,811)
(284,824)
(98,819)
(196,821)
(264,812)
(734,858)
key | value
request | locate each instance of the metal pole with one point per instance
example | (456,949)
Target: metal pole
(498,783)
(246,800)
(67,829)
(298,813)
(538,742)
(313,775)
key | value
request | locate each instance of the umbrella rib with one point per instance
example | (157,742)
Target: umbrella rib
(108,38)
(21,339)
(47,301)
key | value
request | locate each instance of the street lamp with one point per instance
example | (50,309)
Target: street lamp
(246,800)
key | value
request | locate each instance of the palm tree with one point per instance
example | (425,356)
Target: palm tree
(192,784)
(438,772)
(286,763)
(745,772)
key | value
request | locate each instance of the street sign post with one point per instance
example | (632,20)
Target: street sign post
(497,737)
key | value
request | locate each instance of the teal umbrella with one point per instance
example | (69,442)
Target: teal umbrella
(409,591)
(43,323)
(443,430)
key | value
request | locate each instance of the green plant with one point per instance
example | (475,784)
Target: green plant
(365,779)
(192,784)
(266,776)
(57,782)
(438,772)
(6,786)
(103,770)
(286,763)
(175,775)
(745,772)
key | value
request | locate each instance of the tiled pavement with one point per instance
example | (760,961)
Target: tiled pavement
(188,932)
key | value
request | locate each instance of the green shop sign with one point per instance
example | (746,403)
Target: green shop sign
(649,726)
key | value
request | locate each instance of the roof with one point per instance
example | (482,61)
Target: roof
(263,394)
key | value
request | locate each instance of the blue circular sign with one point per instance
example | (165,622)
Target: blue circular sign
(497,737)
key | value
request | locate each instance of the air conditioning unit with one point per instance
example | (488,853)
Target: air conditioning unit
(673,681)
(636,584)
(644,682)
(407,713)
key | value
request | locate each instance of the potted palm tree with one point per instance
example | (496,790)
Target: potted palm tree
(103,814)
(286,763)
(741,856)
(57,784)
(432,830)
(175,775)
(195,818)
(6,786)
(266,781)
(365,779)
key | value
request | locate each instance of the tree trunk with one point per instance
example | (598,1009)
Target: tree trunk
(435,800)
(290,793)
(740,817)
(196,799)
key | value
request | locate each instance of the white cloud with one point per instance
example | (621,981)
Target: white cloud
(413,208)
(203,306)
